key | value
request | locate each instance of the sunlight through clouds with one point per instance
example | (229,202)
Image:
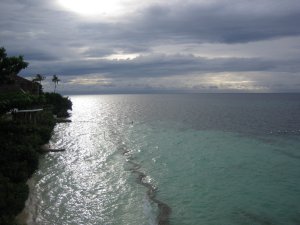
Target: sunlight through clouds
(129,45)
(102,8)
(92,7)
(122,56)
(90,80)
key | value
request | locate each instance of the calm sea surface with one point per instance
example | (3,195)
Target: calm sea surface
(194,159)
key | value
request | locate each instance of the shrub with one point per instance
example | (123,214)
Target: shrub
(60,105)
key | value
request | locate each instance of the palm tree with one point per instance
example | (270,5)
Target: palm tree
(39,78)
(55,80)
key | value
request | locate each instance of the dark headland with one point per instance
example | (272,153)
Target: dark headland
(27,118)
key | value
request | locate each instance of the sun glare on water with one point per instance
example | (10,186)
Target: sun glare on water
(94,7)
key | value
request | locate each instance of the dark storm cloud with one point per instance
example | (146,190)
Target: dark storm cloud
(56,41)
(225,21)
(168,65)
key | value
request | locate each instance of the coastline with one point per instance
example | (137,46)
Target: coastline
(20,159)
(23,137)
(165,211)
(26,122)
(22,217)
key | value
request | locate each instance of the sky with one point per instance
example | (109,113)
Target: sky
(133,46)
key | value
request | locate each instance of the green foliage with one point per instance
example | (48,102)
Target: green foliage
(19,158)
(20,101)
(10,66)
(60,104)
(19,142)
(13,197)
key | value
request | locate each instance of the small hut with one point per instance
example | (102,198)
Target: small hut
(20,84)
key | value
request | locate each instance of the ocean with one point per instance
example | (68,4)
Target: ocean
(176,159)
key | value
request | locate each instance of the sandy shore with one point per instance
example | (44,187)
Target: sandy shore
(22,218)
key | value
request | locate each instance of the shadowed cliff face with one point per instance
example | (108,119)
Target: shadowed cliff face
(19,158)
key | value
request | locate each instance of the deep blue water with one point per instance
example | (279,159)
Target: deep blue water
(173,159)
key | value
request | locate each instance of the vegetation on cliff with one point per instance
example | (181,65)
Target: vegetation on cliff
(20,144)
(20,141)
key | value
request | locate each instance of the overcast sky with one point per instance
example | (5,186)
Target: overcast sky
(109,46)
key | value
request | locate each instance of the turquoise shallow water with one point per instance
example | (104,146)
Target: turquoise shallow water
(212,159)
(211,177)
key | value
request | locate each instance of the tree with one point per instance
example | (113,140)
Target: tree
(39,78)
(55,80)
(10,66)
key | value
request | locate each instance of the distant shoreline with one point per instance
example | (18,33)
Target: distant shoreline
(182,93)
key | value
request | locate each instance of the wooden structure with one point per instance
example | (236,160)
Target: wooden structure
(27,116)
(20,84)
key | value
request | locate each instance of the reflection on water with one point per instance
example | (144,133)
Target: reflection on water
(212,159)
(89,183)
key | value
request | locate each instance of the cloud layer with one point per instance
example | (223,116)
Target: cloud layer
(201,46)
